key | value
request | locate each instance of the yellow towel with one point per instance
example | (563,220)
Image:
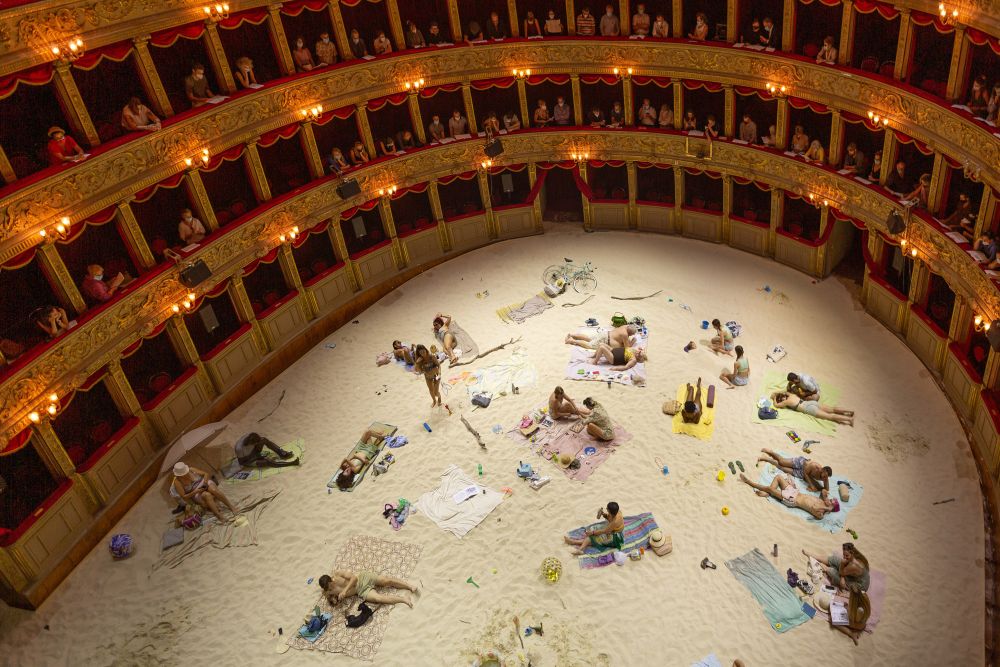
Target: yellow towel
(702,430)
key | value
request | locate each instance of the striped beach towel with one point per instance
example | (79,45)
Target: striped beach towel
(636,534)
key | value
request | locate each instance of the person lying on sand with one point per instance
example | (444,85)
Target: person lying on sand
(561,405)
(623,358)
(610,536)
(195,485)
(691,411)
(783,488)
(250,448)
(344,583)
(813,408)
(403,351)
(442,323)
(598,423)
(723,343)
(804,386)
(360,456)
(816,476)
(622,336)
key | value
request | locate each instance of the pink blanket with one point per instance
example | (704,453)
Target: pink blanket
(876,595)
(560,439)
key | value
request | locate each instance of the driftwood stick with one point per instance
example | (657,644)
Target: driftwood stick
(571,305)
(474,432)
(636,298)
(489,351)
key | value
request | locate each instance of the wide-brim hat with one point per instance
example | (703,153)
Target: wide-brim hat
(181,469)
(656,538)
(564,460)
(54,129)
(660,544)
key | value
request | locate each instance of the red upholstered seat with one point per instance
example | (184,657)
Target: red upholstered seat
(979,353)
(667,199)
(143,396)
(158,245)
(223,216)
(810,50)
(159,381)
(619,193)
(869,64)
(257,306)
(713,206)
(449,212)
(887,68)
(100,432)
(405,227)
(115,265)
(600,193)
(794,228)
(750,214)
(469,207)
(305,273)
(698,202)
(318,266)
(238,208)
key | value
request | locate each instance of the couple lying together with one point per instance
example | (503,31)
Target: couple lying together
(616,347)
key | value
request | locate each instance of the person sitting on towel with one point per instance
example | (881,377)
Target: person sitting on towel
(442,325)
(803,386)
(623,336)
(623,358)
(849,572)
(816,476)
(561,405)
(598,422)
(691,411)
(610,536)
(813,408)
(344,583)
(249,450)
(360,456)
(783,489)
(403,351)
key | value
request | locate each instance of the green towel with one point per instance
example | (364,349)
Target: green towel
(791,420)
(780,604)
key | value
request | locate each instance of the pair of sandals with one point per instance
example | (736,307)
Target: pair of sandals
(383,465)
(803,584)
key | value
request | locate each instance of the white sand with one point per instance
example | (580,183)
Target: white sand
(223,607)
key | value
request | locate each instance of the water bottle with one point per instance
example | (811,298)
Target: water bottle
(427,426)
(480,466)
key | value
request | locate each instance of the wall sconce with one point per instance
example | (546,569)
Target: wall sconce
(948,18)
(52,409)
(522,73)
(817,202)
(620,75)
(580,157)
(877,119)
(60,231)
(981,324)
(414,86)
(387,192)
(217,12)
(203,158)
(290,235)
(971,171)
(776,90)
(186,304)
(69,51)
(486,164)
(312,113)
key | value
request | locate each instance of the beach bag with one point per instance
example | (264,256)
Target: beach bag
(767,413)
(383,358)
(734,328)
(481,400)
(316,624)
(363,616)
(618,320)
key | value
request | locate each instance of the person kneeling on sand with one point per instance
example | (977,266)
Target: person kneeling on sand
(344,583)
(610,536)
(782,488)
(816,476)
(598,422)
(249,452)
(623,358)
(723,343)
(803,386)
(813,408)
(622,336)
(195,485)
(561,405)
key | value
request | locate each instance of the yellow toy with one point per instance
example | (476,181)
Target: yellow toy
(725,511)
(552,569)
(721,476)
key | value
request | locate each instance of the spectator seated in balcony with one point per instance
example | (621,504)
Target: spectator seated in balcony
(434,35)
(414,38)
(511,121)
(752,34)
(711,128)
(194,485)
(920,192)
(190,228)
(800,141)
(979,97)
(387,146)
(596,117)
(62,148)
(993,105)
(609,23)
(245,77)
(769,37)
(95,289)
(689,122)
(660,27)
(382,46)
(876,171)
(647,114)
(495,28)
(196,86)
(137,116)
(665,119)
(585,25)
(562,113)
(815,153)
(405,140)
(302,56)
(771,139)
(532,28)
(828,54)
(542,117)
(474,32)
(457,124)
(336,162)
(357,45)
(986,244)
(491,126)
(436,130)
(748,129)
(358,155)
(326,50)
(898,181)
(617,116)
(700,32)
(553,25)
(962,219)
(51,320)
(855,161)
(249,452)
(640,21)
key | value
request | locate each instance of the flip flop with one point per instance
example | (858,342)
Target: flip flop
(732,468)
(739,464)
(707,564)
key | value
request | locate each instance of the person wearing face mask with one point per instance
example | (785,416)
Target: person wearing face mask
(609,23)
(358,154)
(876,172)
(436,130)
(457,124)
(382,44)
(196,86)
(542,117)
(553,24)
(700,32)
(326,50)
(358,47)
(137,116)
(190,228)
(414,38)
(244,73)
(337,163)
(94,287)
(302,56)
(640,21)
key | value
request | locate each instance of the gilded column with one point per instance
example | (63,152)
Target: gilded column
(340,248)
(364,129)
(678,104)
(279,41)
(959,65)
(484,194)
(781,124)
(416,119)
(129,228)
(199,196)
(180,339)
(255,168)
(835,154)
(788,26)
(58,275)
(623,15)
(570,18)
(389,225)
(890,148)
(339,30)
(824,220)
(290,270)
(395,24)
(991,374)
(72,104)
(454,21)
(987,209)
(313,159)
(904,54)
(470,110)
(121,390)
(919,279)
(847,24)
(442,229)
(536,205)
(628,101)
(512,12)
(939,177)
(777,216)
(677,221)
(217,58)
(633,194)
(961,319)
(677,19)
(11,572)
(574,82)
(150,78)
(732,21)
(729,121)
(51,451)
(6,170)
(522,98)
(241,304)
(727,207)
(588,212)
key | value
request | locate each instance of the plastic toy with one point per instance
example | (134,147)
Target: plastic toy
(426,426)
(793,436)
(552,568)
(725,511)
(721,476)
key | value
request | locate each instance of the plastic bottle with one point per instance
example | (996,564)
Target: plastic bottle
(480,466)
(427,426)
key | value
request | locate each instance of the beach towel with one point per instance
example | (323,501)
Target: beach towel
(582,367)
(255,474)
(636,534)
(702,430)
(876,597)
(362,552)
(457,518)
(235,533)
(780,604)
(833,522)
(498,378)
(790,419)
(384,429)
(559,438)
(710,660)
(517,313)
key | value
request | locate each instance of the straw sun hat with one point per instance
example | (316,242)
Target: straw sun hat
(660,544)
(565,460)
(181,469)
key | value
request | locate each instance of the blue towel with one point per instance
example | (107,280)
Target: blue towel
(833,522)
(310,637)
(394,441)
(781,605)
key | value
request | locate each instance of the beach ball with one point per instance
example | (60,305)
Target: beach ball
(721,476)
(725,511)
(121,546)
(552,568)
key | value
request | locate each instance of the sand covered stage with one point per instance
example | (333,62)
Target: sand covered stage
(224,606)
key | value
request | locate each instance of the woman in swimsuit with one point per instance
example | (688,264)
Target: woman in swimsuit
(813,408)
(741,371)
(192,484)
(442,332)
(598,422)
(344,583)
(724,341)
(623,358)
(426,363)
(360,456)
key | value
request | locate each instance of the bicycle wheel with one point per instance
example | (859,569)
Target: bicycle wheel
(585,284)
(552,274)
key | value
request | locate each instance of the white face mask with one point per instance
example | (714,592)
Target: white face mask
(326,40)
(199,76)
(298,44)
(187,218)
(99,276)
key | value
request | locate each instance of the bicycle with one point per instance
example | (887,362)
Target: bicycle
(581,278)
